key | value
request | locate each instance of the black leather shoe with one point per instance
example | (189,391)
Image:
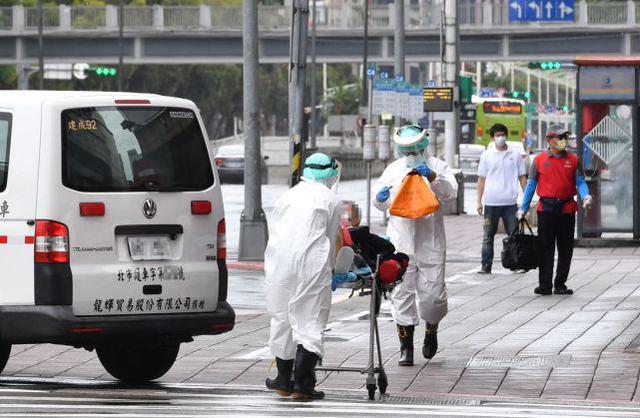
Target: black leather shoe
(305,376)
(282,384)
(430,344)
(485,269)
(405,333)
(562,291)
(540,291)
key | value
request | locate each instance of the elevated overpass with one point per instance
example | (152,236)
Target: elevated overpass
(212,34)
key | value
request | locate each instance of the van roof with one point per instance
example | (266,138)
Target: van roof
(30,96)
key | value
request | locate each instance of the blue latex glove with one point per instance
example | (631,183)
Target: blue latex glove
(383,194)
(423,170)
(341,278)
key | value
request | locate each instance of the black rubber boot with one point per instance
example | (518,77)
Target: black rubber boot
(405,333)
(430,344)
(305,376)
(282,384)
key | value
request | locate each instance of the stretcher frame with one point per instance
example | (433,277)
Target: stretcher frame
(363,283)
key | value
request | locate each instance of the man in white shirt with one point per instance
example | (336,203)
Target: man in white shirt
(499,172)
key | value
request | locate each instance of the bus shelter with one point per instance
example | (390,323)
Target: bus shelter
(608,143)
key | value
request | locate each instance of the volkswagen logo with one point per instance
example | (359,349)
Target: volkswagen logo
(149,208)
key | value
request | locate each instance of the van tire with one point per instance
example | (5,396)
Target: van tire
(5,352)
(138,363)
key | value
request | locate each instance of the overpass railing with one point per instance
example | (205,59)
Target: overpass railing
(344,15)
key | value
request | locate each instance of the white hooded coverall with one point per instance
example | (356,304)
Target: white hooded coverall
(423,240)
(298,266)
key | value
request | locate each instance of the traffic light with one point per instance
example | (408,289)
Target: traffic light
(522,95)
(105,71)
(545,65)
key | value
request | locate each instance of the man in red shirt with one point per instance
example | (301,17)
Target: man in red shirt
(555,175)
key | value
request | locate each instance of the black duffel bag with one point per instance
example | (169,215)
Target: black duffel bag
(520,250)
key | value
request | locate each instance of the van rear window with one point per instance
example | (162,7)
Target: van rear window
(5,139)
(121,149)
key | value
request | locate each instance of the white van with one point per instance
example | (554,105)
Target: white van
(112,231)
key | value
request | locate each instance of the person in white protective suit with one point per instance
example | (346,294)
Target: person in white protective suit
(303,232)
(422,293)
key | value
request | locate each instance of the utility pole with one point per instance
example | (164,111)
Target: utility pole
(253,223)
(297,64)
(398,45)
(120,42)
(40,43)
(452,125)
(314,74)
(365,57)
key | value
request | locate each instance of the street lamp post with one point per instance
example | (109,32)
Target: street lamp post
(121,43)
(40,44)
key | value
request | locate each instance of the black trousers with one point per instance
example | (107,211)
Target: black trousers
(555,229)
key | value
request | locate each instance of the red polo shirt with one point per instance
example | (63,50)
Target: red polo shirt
(556,176)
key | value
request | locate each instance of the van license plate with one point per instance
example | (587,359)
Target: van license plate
(149,248)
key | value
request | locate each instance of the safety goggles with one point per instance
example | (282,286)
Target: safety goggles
(332,164)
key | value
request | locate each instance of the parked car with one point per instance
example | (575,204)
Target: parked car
(469,159)
(115,226)
(230,163)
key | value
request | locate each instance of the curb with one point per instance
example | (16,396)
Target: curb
(245,265)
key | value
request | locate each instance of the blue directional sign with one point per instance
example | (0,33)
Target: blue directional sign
(399,78)
(371,72)
(542,10)
(431,83)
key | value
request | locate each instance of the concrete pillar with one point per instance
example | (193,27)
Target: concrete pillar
(583,13)
(158,17)
(205,16)
(631,12)
(478,77)
(112,17)
(65,17)
(17,22)
(487,14)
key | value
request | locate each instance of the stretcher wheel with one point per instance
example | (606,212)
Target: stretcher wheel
(382,382)
(371,388)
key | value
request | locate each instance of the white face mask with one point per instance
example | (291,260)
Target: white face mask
(412,161)
(501,141)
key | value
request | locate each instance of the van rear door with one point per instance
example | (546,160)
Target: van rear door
(145,210)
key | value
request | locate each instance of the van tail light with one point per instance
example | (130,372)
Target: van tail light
(479,131)
(200,207)
(92,209)
(219,162)
(52,242)
(222,240)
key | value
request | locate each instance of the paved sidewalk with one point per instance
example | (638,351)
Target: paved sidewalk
(499,339)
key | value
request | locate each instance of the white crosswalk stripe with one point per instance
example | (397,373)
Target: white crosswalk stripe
(94,400)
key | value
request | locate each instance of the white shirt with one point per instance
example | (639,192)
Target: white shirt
(501,170)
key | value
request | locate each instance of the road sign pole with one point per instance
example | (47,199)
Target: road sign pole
(398,38)
(253,223)
(451,127)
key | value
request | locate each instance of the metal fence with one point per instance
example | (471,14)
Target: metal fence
(50,17)
(6,17)
(186,17)
(223,17)
(607,13)
(337,15)
(137,17)
(88,17)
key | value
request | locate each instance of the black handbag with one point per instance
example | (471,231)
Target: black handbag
(520,250)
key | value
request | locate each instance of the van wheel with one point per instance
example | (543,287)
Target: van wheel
(5,352)
(138,363)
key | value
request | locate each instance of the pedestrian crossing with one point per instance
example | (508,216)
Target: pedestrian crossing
(108,400)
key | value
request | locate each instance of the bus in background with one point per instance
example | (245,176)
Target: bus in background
(509,112)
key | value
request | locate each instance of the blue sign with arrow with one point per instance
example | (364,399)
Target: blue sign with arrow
(542,11)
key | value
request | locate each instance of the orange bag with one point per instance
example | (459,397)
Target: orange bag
(414,199)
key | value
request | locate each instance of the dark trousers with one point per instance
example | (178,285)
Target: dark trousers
(555,229)
(492,215)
